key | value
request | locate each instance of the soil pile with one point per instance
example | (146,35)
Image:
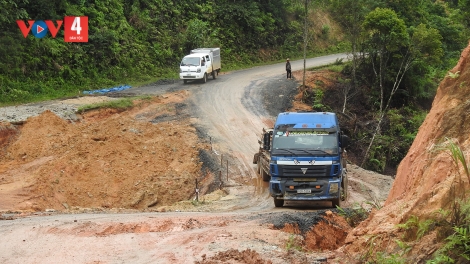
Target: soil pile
(108,159)
(427,179)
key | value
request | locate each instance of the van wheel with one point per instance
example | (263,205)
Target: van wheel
(278,202)
(204,79)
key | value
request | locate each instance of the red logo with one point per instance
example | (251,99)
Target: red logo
(41,28)
(76,29)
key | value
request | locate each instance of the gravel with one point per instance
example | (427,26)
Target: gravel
(19,114)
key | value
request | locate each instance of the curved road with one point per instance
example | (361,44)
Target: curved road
(232,111)
(231,107)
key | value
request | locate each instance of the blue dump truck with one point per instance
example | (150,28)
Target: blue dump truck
(302,157)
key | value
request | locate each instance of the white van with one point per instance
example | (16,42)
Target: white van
(199,64)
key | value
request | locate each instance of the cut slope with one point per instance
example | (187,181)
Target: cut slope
(427,179)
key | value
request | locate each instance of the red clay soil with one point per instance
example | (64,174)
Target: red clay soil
(328,234)
(109,159)
(246,256)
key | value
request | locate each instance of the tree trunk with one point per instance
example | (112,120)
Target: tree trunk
(305,41)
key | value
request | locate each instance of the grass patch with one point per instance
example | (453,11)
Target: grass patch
(355,215)
(294,243)
(121,104)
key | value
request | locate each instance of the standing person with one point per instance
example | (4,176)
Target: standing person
(288,69)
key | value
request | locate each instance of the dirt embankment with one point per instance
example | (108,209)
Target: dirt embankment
(107,159)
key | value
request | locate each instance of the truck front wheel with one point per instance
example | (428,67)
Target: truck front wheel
(204,79)
(344,188)
(278,202)
(337,201)
(265,175)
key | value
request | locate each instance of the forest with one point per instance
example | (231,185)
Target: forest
(400,51)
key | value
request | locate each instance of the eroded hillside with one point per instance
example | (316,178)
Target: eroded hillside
(428,180)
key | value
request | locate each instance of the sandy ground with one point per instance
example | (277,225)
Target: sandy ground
(114,186)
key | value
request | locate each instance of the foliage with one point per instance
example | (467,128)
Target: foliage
(457,245)
(354,215)
(120,104)
(401,50)
(416,229)
(458,157)
(137,41)
(325,30)
(456,248)
(398,133)
(436,34)
(453,75)
(384,258)
(317,101)
(140,41)
(294,243)
(386,31)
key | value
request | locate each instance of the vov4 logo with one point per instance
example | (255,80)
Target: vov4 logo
(75,28)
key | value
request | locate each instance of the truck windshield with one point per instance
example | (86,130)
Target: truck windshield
(190,61)
(307,140)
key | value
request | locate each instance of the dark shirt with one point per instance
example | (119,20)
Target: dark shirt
(288,66)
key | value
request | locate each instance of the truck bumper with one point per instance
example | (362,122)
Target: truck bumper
(305,191)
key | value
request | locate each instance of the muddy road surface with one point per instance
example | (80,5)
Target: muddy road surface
(239,224)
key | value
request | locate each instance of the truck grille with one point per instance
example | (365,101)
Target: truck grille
(310,171)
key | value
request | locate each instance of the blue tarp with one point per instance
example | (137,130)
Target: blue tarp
(108,90)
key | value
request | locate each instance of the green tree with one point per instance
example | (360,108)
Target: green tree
(388,38)
(385,34)
(10,11)
(351,14)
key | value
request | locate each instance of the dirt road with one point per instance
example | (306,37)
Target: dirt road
(241,225)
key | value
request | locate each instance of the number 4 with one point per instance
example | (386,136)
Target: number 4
(76,25)
(75,28)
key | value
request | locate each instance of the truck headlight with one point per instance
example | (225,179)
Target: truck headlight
(334,188)
(198,70)
(181,71)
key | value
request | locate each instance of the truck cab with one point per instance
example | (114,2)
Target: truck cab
(306,158)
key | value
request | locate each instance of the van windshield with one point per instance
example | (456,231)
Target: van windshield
(190,61)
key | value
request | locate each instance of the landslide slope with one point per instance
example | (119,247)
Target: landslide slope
(427,179)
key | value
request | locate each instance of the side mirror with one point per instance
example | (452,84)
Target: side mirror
(266,141)
(344,141)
